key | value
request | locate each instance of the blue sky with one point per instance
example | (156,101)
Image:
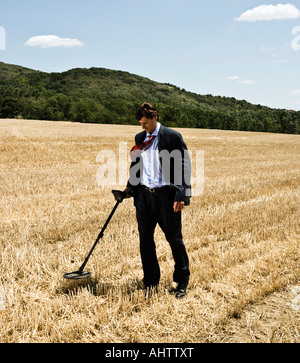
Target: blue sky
(245,49)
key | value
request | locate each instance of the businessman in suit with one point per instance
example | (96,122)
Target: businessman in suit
(160,184)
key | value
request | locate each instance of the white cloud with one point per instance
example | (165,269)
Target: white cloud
(233,78)
(247,82)
(271,12)
(49,41)
(239,80)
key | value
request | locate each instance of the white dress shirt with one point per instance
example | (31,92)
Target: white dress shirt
(152,170)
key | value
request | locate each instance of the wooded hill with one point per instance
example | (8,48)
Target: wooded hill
(99,95)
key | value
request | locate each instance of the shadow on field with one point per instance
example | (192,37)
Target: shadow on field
(97,288)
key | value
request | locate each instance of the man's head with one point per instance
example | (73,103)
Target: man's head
(148,117)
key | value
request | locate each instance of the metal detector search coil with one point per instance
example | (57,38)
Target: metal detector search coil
(77,275)
(81,274)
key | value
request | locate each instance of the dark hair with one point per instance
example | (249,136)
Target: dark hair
(148,110)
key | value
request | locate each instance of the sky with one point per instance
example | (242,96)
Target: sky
(246,49)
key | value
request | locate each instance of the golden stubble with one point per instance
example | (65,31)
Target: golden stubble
(242,235)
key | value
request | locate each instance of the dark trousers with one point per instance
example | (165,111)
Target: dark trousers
(157,208)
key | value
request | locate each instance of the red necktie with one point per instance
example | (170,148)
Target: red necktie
(137,149)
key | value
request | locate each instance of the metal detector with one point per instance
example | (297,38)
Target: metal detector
(81,274)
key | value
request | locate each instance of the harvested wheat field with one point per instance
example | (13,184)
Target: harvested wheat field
(242,235)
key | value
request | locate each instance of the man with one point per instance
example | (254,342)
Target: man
(160,184)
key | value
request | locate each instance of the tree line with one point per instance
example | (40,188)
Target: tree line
(111,97)
(65,108)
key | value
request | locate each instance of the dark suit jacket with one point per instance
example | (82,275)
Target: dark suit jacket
(175,161)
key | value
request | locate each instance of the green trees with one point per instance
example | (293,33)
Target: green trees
(10,107)
(100,95)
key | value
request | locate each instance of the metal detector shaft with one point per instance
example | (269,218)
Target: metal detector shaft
(100,236)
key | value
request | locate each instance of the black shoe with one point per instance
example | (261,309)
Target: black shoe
(180,291)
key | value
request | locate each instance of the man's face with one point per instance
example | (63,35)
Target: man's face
(148,124)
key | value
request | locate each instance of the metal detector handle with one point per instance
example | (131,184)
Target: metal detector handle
(101,234)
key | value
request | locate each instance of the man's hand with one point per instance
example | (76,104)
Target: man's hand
(128,192)
(178,206)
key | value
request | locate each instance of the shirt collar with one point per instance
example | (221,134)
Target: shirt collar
(156,131)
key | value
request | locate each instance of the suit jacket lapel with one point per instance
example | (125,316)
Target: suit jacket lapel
(161,136)
(140,137)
